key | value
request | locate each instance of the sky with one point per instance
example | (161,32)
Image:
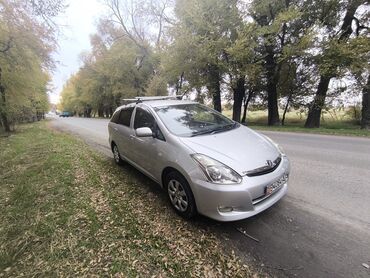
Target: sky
(78,21)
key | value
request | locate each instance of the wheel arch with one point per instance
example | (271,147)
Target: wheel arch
(165,172)
(170,169)
(112,143)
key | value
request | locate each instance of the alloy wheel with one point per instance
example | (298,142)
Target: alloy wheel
(177,195)
(116,154)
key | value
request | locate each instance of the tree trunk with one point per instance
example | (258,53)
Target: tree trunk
(5,122)
(106,112)
(100,112)
(239,93)
(273,110)
(314,114)
(213,86)
(179,83)
(3,115)
(245,104)
(87,111)
(365,117)
(286,108)
(272,80)
(313,119)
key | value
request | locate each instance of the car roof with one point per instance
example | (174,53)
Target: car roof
(159,103)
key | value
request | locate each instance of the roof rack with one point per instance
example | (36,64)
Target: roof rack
(142,99)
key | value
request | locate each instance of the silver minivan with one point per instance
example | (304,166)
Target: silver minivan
(205,162)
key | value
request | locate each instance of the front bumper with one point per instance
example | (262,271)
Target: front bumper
(236,202)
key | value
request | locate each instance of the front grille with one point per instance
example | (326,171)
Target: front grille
(265,169)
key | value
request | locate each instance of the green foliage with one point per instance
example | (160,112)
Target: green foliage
(107,76)
(275,47)
(157,86)
(26,43)
(202,36)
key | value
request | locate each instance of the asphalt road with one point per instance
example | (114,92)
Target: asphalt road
(320,229)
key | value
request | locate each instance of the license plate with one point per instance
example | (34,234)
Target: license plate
(272,188)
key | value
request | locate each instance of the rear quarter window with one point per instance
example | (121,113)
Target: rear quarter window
(115,117)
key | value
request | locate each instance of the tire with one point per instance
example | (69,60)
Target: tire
(180,195)
(116,155)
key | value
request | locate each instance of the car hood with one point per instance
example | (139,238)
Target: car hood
(242,149)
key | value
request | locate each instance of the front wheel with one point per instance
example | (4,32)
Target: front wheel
(116,155)
(180,195)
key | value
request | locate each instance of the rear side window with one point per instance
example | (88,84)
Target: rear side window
(115,117)
(125,116)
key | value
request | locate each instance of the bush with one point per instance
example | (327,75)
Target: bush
(353,112)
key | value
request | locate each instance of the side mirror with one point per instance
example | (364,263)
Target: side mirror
(144,132)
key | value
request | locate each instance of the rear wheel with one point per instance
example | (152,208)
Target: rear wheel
(180,195)
(116,155)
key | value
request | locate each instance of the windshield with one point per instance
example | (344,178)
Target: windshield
(193,119)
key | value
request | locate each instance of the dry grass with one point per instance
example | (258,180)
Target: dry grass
(332,123)
(66,211)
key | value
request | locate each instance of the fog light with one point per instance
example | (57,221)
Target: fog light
(225,209)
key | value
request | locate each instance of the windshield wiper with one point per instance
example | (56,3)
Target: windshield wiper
(215,130)
(195,133)
(225,127)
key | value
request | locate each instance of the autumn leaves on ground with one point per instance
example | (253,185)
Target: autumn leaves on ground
(67,211)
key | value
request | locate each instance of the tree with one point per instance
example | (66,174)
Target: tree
(200,38)
(143,22)
(365,117)
(242,65)
(284,32)
(108,74)
(275,52)
(329,68)
(26,42)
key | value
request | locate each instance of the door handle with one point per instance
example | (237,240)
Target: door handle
(116,129)
(132,137)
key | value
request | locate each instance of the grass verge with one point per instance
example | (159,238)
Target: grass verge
(67,211)
(332,123)
(341,129)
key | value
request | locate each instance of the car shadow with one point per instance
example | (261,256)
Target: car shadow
(248,238)
(200,221)
(148,184)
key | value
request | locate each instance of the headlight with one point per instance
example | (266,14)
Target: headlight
(215,171)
